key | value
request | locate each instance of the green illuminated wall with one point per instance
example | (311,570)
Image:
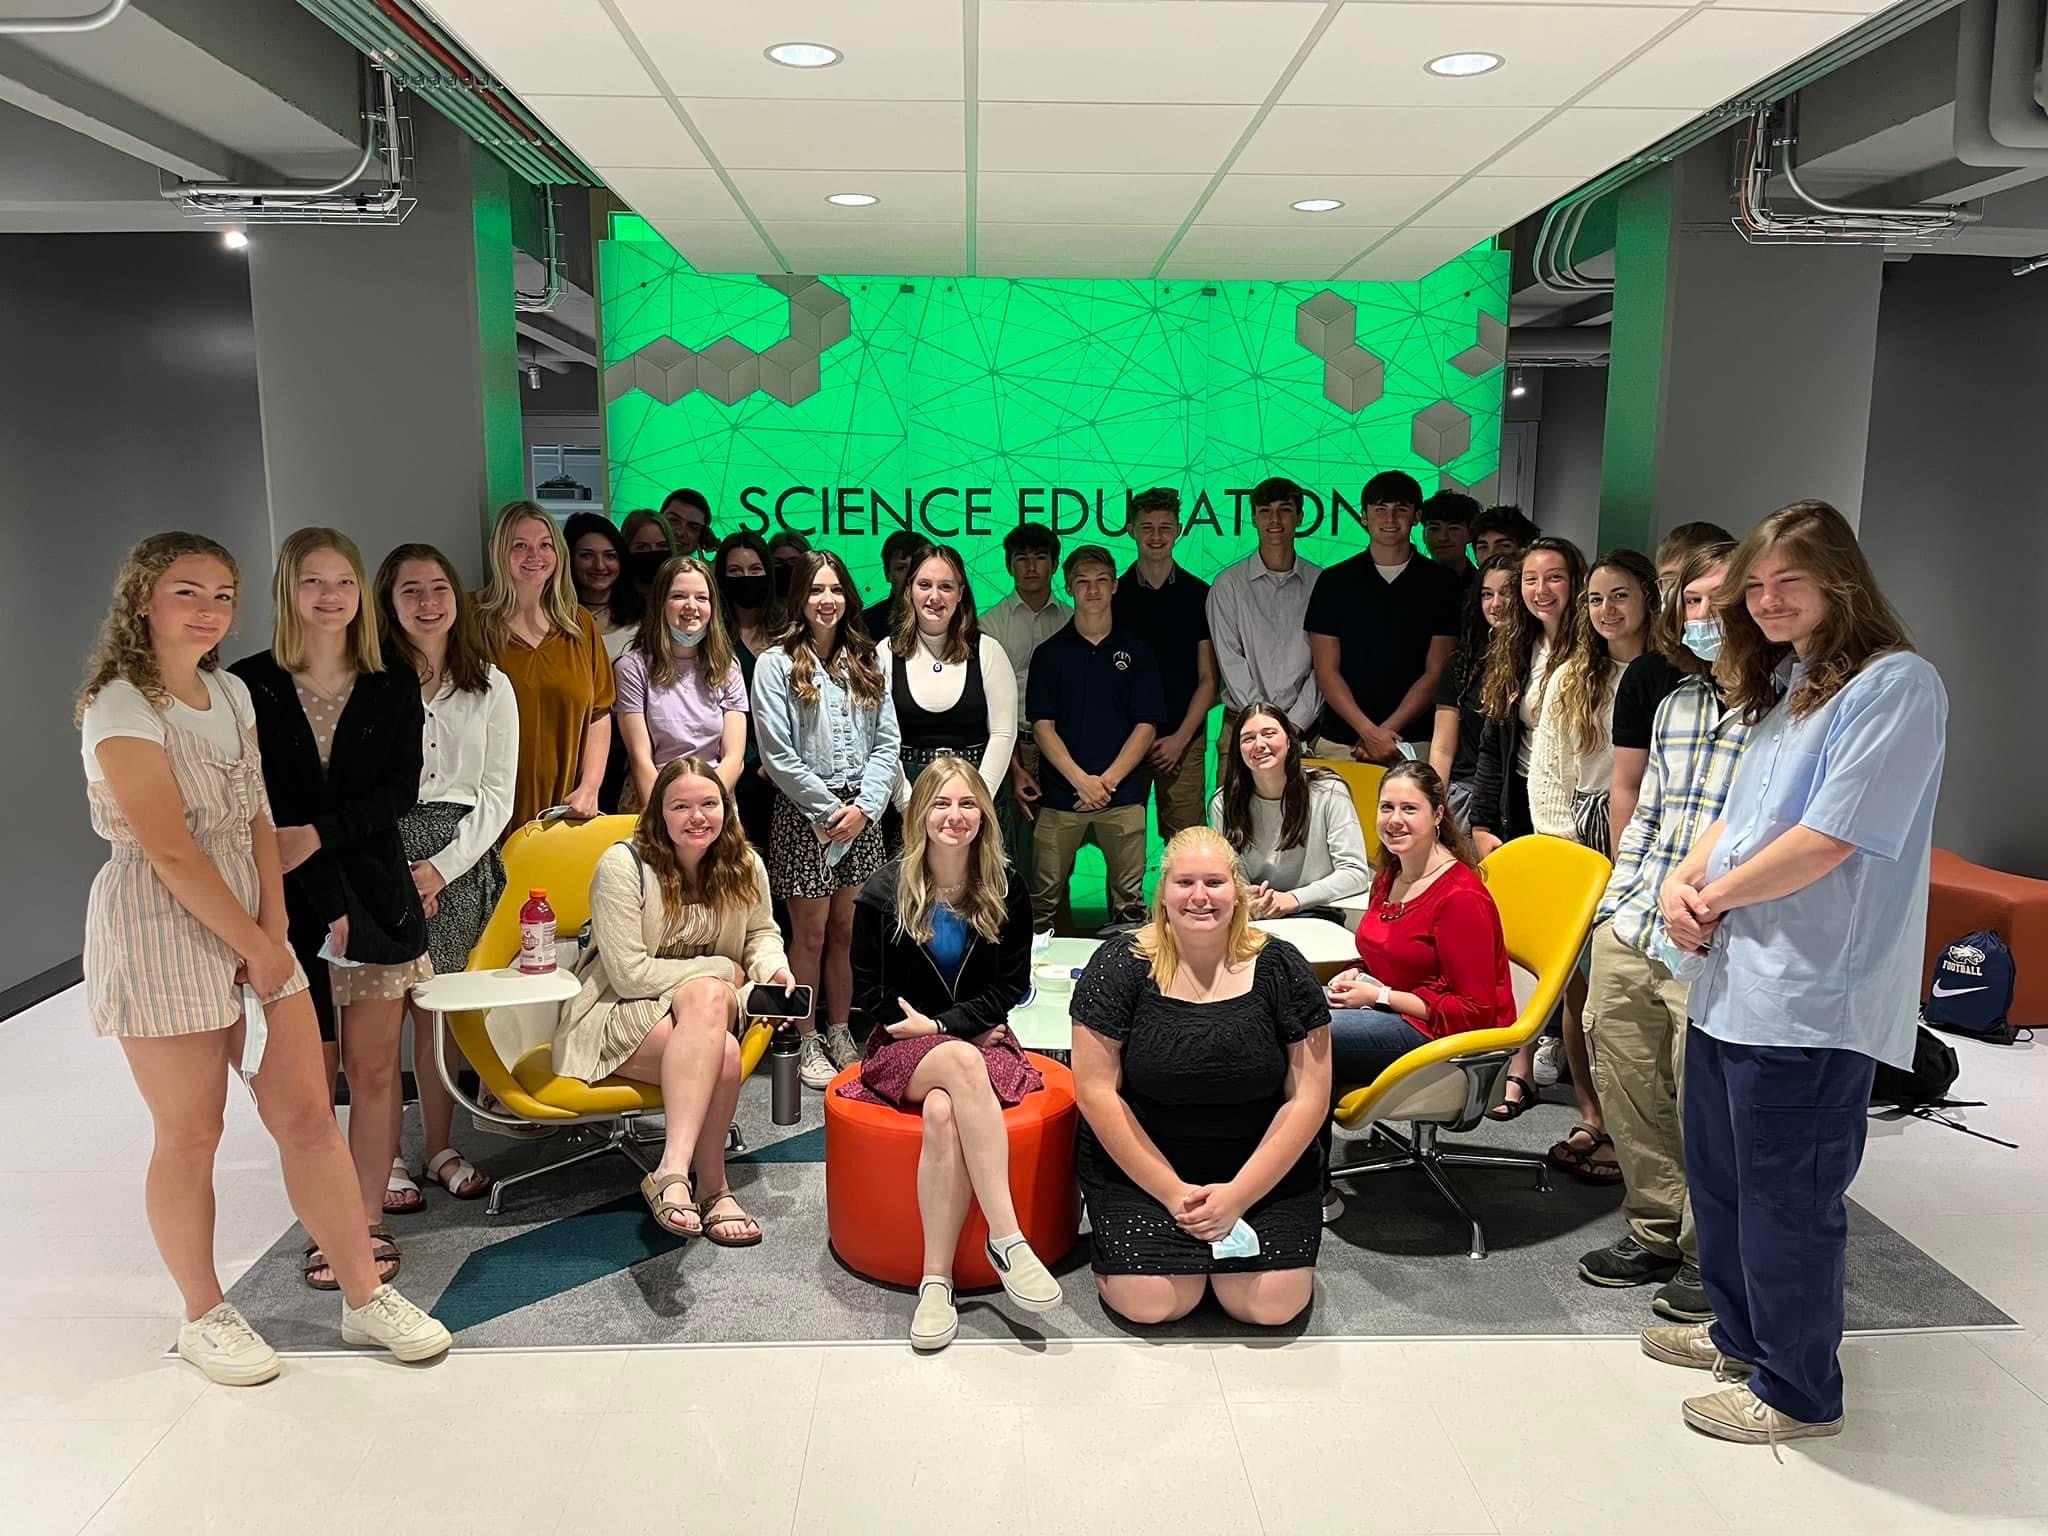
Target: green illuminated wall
(843,407)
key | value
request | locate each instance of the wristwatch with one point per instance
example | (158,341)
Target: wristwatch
(1385,993)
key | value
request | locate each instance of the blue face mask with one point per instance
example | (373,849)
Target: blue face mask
(1703,638)
(684,641)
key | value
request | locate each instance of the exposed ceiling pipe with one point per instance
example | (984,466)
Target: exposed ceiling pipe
(1560,346)
(43,25)
(551,238)
(1997,123)
(2031,264)
(1819,222)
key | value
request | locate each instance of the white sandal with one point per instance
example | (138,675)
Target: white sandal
(454,1172)
(397,1186)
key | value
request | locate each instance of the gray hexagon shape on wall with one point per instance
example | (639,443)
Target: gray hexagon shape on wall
(789,371)
(1442,433)
(666,369)
(1326,324)
(1488,353)
(1354,378)
(819,317)
(728,370)
(622,378)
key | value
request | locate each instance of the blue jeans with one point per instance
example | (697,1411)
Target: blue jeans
(1364,1042)
(1773,1137)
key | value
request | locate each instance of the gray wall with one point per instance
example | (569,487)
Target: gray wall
(1568,444)
(128,407)
(1954,504)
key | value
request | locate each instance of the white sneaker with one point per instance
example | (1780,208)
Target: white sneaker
(1025,1278)
(227,1349)
(814,1068)
(1548,1063)
(840,1046)
(935,1321)
(389,1321)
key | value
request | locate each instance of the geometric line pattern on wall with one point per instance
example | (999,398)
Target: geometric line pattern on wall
(727,369)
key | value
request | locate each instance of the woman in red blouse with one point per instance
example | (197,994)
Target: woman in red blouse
(1433,958)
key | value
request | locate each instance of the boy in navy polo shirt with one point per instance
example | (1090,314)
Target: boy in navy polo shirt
(1095,705)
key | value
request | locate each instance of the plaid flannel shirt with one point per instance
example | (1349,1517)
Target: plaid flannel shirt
(1694,745)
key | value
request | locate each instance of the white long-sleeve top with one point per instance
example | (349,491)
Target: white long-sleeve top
(937,685)
(1255,619)
(1557,771)
(1329,867)
(469,755)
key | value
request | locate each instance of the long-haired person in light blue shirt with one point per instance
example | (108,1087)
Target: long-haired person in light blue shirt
(1808,898)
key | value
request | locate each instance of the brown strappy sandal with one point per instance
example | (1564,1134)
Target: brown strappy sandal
(655,1190)
(713,1223)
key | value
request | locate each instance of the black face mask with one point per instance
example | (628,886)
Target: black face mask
(785,573)
(745,591)
(644,565)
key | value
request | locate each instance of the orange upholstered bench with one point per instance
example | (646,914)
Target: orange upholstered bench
(1963,898)
(871,1154)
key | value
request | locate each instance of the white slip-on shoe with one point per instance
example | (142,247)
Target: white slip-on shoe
(1025,1278)
(227,1349)
(1692,1345)
(1738,1414)
(935,1321)
(389,1321)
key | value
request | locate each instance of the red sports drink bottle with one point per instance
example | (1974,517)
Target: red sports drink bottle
(536,934)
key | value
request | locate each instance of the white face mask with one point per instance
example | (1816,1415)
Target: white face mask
(687,639)
(1703,638)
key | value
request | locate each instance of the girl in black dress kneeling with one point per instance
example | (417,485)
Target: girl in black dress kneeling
(1202,1066)
(942,946)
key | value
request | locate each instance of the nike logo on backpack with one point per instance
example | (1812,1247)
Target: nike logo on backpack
(1941,991)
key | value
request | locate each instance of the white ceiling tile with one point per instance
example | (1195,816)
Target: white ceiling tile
(566,46)
(916,250)
(1853,7)
(1071,271)
(1584,141)
(1279,251)
(619,130)
(1409,254)
(1369,201)
(1025,136)
(1032,197)
(1095,243)
(1494,201)
(907,51)
(1372,141)
(724,247)
(1716,55)
(1137,50)
(662,194)
(834,135)
(1373,55)
(907,197)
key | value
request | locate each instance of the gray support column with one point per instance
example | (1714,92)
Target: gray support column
(1751,371)
(385,361)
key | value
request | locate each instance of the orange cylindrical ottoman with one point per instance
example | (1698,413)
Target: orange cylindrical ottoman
(871,1156)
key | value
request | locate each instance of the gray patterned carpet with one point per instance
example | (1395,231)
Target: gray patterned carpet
(575,1261)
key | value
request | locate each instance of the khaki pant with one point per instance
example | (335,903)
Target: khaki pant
(1179,797)
(1635,1030)
(1119,833)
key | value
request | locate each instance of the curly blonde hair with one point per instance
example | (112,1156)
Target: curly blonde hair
(124,651)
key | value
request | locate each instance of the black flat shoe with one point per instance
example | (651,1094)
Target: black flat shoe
(1683,1298)
(1628,1262)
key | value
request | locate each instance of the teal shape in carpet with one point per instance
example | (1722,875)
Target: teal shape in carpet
(551,1259)
(804,1147)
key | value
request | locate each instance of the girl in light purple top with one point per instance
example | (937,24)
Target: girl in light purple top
(680,693)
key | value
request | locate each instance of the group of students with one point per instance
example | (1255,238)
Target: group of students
(297,842)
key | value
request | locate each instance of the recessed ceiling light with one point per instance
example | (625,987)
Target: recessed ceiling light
(853,199)
(1318,205)
(804,55)
(234,239)
(1460,65)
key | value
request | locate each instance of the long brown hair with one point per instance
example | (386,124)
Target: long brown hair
(465,666)
(1234,782)
(1668,634)
(1859,624)
(715,659)
(725,878)
(985,902)
(497,600)
(1155,942)
(1448,832)
(853,661)
(1588,679)
(124,652)
(963,632)
(1510,652)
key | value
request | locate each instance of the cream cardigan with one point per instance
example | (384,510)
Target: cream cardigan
(1557,773)
(628,925)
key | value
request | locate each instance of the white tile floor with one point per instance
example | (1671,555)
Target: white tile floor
(100,1434)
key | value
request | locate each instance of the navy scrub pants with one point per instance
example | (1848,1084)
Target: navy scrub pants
(1773,1136)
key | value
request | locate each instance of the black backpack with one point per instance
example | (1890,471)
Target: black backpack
(1923,1091)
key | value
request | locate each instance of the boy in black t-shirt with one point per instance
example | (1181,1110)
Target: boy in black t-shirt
(1169,610)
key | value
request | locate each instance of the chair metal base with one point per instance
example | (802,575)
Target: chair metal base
(590,1140)
(1432,1156)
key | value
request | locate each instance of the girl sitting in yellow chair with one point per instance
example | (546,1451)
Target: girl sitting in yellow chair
(682,929)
